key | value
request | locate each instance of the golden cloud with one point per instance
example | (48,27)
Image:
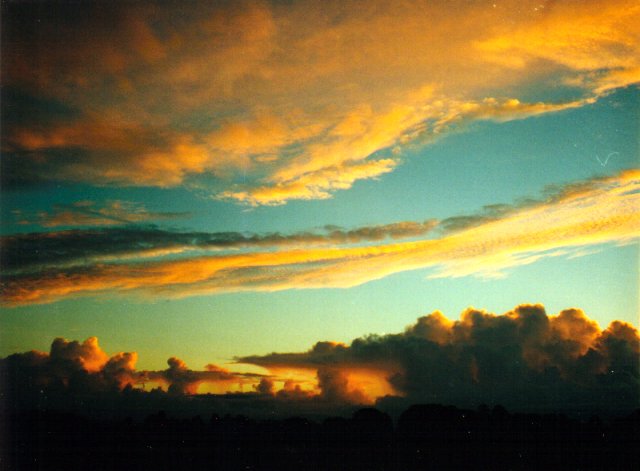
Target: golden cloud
(588,214)
(290,96)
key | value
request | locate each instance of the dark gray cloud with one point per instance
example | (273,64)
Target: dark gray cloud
(83,368)
(183,380)
(27,252)
(552,193)
(334,387)
(24,253)
(88,213)
(522,359)
(488,213)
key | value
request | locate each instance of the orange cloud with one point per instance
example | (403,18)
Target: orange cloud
(301,100)
(28,253)
(314,185)
(88,354)
(594,36)
(598,212)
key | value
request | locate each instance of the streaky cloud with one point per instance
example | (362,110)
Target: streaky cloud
(89,213)
(602,211)
(33,252)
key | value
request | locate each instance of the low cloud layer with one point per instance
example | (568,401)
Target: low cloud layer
(300,101)
(580,216)
(83,367)
(524,359)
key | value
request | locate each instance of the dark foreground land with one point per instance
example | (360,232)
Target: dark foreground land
(423,437)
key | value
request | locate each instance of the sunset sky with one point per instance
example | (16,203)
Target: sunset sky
(214,182)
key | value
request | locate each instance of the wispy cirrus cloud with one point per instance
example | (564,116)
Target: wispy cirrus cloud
(299,101)
(90,213)
(582,215)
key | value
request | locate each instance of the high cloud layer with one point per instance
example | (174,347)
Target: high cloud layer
(24,253)
(581,215)
(88,213)
(523,359)
(262,102)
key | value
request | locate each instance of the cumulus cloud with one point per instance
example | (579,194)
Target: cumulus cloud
(334,387)
(299,101)
(588,214)
(265,386)
(183,380)
(84,368)
(522,359)
(87,355)
(78,367)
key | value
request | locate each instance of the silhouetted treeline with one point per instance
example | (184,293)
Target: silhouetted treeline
(424,437)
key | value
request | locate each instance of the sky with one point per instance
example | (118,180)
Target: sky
(240,186)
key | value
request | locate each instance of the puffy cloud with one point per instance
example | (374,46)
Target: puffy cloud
(121,369)
(84,368)
(582,215)
(265,386)
(299,101)
(80,368)
(183,380)
(87,355)
(434,327)
(522,359)
(334,387)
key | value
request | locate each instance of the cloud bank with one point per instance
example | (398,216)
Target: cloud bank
(262,103)
(83,367)
(580,216)
(523,359)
